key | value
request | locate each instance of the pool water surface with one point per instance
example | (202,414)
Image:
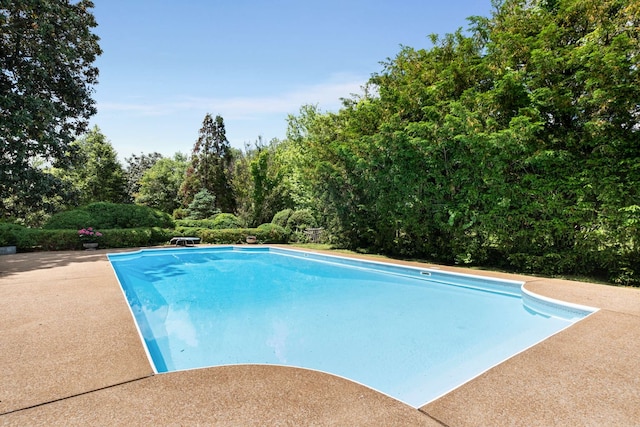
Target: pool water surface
(413,334)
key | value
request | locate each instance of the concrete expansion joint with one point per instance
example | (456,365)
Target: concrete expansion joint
(433,418)
(78,394)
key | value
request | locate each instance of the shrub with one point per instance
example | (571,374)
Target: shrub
(135,237)
(180,213)
(112,215)
(281,218)
(274,234)
(227,236)
(195,223)
(301,219)
(203,205)
(10,233)
(271,233)
(52,240)
(69,220)
(56,240)
(226,220)
(221,221)
(106,215)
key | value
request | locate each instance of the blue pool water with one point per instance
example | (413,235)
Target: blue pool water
(413,334)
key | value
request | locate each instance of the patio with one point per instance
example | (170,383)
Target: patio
(71,355)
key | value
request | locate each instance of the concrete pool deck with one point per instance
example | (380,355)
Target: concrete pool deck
(71,355)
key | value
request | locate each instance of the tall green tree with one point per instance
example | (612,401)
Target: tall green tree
(272,191)
(96,175)
(211,165)
(515,144)
(136,167)
(47,51)
(160,184)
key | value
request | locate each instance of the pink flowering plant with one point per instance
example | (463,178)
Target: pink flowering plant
(89,235)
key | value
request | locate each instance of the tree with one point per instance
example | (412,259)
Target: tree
(203,205)
(137,166)
(47,75)
(211,165)
(96,175)
(516,145)
(160,184)
(271,191)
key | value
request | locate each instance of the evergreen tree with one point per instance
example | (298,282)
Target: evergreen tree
(96,175)
(211,165)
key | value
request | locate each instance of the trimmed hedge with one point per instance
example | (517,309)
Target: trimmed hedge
(104,215)
(235,235)
(10,233)
(220,222)
(30,239)
(227,220)
(281,218)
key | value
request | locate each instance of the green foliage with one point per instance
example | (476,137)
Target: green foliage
(220,221)
(226,220)
(235,235)
(69,220)
(210,167)
(105,215)
(515,146)
(301,219)
(195,223)
(47,52)
(95,175)
(271,186)
(159,185)
(281,218)
(180,213)
(137,166)
(270,178)
(203,205)
(135,237)
(9,233)
(271,233)
(30,239)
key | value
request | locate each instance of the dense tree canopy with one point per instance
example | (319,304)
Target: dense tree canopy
(137,166)
(95,174)
(159,186)
(47,75)
(515,145)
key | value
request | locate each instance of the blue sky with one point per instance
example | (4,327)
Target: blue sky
(168,63)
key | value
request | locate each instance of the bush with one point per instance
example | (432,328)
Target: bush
(180,213)
(195,223)
(271,233)
(135,237)
(69,220)
(30,239)
(203,205)
(227,236)
(282,217)
(234,236)
(226,220)
(221,221)
(300,220)
(104,215)
(10,233)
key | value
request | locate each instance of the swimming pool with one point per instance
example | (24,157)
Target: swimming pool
(411,333)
